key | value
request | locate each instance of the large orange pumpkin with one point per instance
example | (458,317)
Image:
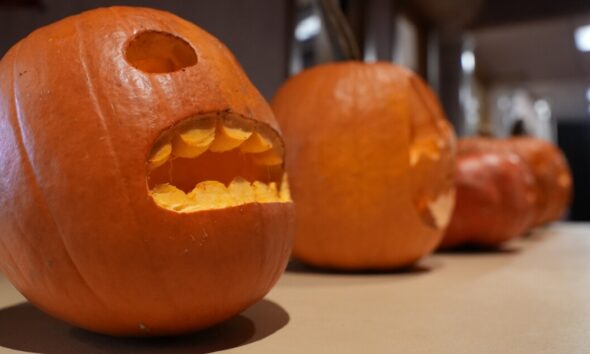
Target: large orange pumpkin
(142,181)
(495,200)
(372,161)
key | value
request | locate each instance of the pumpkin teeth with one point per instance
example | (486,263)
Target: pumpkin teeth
(242,191)
(256,144)
(209,195)
(429,148)
(268,158)
(441,208)
(265,192)
(210,135)
(193,142)
(229,138)
(170,197)
(160,156)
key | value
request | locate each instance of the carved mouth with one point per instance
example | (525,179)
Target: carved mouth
(217,161)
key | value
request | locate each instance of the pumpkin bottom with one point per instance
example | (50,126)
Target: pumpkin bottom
(246,251)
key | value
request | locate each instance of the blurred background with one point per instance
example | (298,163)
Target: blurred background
(499,67)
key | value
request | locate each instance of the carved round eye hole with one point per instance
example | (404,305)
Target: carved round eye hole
(159,52)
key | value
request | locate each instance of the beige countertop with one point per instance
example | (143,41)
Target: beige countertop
(533,297)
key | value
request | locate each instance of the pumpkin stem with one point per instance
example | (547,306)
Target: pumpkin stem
(339,30)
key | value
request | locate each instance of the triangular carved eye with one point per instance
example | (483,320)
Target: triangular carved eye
(159,52)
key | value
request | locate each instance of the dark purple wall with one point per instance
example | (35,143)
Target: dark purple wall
(255,30)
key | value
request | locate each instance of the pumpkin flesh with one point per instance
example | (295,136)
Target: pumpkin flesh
(214,162)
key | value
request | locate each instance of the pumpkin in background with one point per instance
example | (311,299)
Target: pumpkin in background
(553,180)
(551,172)
(142,180)
(372,161)
(494,201)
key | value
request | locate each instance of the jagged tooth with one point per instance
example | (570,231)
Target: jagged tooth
(424,148)
(284,192)
(241,191)
(210,194)
(160,156)
(256,144)
(268,158)
(193,142)
(265,193)
(441,208)
(228,138)
(170,197)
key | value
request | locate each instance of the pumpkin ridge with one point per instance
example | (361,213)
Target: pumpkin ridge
(99,110)
(98,107)
(26,161)
(15,265)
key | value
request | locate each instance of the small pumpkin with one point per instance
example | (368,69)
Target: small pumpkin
(142,175)
(553,180)
(372,160)
(551,172)
(495,200)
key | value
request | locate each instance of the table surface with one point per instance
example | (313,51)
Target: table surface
(531,297)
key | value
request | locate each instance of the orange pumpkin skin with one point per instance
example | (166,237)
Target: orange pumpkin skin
(369,151)
(552,173)
(553,180)
(81,237)
(495,200)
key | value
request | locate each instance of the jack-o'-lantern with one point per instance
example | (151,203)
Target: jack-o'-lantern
(142,177)
(372,161)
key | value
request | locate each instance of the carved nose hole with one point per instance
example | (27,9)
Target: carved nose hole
(159,52)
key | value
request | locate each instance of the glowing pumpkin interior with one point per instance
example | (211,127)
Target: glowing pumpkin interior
(217,161)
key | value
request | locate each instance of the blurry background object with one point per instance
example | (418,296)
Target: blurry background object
(321,34)
(21,3)
(257,31)
(499,68)
(495,199)
(574,139)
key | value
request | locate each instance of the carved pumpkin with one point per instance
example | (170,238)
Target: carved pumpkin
(372,161)
(495,200)
(142,182)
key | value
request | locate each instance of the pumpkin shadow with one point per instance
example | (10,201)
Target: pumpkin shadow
(481,250)
(295,266)
(23,327)
(539,233)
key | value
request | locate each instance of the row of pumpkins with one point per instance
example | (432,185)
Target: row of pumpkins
(381,182)
(370,156)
